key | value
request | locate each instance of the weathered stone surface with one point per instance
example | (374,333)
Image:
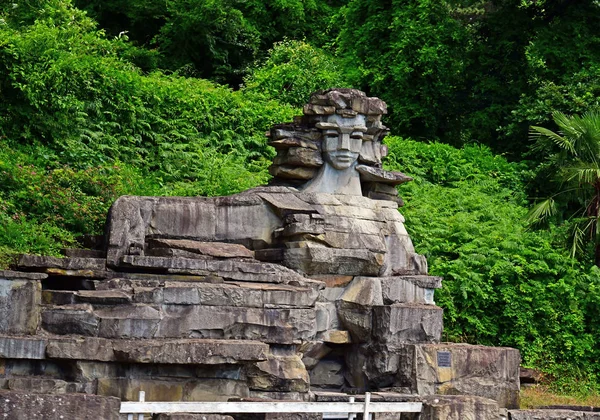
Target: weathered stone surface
(409,289)
(292,172)
(551,414)
(172,390)
(310,259)
(22,406)
(460,407)
(190,351)
(286,143)
(357,319)
(407,323)
(283,326)
(327,374)
(37,262)
(135,321)
(312,352)
(83,253)
(190,416)
(41,385)
(70,319)
(213,249)
(333,280)
(491,372)
(19,306)
(299,156)
(80,348)
(335,337)
(243,218)
(238,294)
(364,291)
(103,297)
(279,373)
(20,275)
(373,174)
(22,347)
(229,269)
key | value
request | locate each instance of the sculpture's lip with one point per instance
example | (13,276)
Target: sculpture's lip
(345,156)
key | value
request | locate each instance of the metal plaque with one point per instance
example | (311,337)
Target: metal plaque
(444,359)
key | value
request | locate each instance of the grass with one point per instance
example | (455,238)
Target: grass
(541,395)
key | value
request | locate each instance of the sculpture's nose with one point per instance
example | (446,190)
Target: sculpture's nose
(344,141)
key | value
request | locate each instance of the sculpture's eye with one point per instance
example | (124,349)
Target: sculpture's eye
(357,135)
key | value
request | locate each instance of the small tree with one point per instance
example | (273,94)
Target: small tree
(578,175)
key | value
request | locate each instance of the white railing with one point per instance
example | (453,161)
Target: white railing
(330,410)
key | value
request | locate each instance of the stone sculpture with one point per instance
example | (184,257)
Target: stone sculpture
(309,284)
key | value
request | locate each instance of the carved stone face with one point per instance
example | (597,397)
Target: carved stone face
(342,140)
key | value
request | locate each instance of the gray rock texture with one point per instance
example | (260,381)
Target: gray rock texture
(24,405)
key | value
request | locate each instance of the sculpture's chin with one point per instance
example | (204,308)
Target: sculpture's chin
(342,162)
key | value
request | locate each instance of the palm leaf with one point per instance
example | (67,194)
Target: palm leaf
(541,211)
(560,141)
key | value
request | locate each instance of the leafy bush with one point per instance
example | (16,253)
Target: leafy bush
(503,284)
(292,71)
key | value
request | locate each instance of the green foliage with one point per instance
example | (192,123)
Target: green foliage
(68,86)
(577,173)
(292,71)
(411,55)
(214,39)
(503,284)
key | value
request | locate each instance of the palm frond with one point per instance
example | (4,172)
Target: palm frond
(541,211)
(560,141)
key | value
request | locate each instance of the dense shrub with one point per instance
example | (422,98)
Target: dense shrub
(503,283)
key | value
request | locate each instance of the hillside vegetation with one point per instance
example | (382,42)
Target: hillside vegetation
(102,98)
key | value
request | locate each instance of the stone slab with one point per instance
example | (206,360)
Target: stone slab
(213,249)
(459,407)
(30,262)
(407,323)
(22,347)
(172,389)
(20,275)
(190,351)
(19,306)
(21,406)
(490,372)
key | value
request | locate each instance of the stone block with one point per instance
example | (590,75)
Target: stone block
(283,326)
(21,275)
(279,373)
(292,172)
(409,289)
(312,352)
(212,249)
(190,416)
(327,374)
(299,156)
(459,407)
(80,348)
(131,321)
(41,385)
(21,406)
(70,319)
(37,262)
(551,414)
(407,323)
(172,390)
(490,372)
(364,291)
(19,306)
(310,260)
(357,319)
(22,348)
(190,351)
(335,337)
